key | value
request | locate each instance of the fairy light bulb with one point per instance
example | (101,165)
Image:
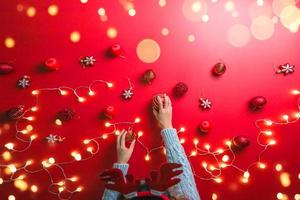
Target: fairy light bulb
(262,165)
(182,129)
(28,162)
(220,151)
(73,179)
(228,143)
(285,117)
(79,189)
(29,127)
(81,99)
(104,136)
(117,132)
(246,174)
(278,167)
(1,181)
(297,115)
(268,133)
(51,160)
(33,137)
(60,183)
(218,180)
(61,189)
(225,158)
(295,92)
(137,120)
(9,146)
(35,92)
(86,141)
(272,142)
(46,164)
(31,118)
(260,2)
(34,108)
(63,92)
(196,141)
(12,168)
(34,188)
(147,157)
(107,124)
(91,92)
(110,85)
(90,149)
(24,131)
(204,165)
(182,141)
(268,122)
(140,134)
(223,165)
(207,146)
(76,155)
(58,122)
(194,153)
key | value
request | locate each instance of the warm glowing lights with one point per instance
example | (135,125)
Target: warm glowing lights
(193,10)
(218,180)
(21,185)
(34,188)
(35,92)
(107,124)
(110,85)
(214,196)
(260,2)
(147,157)
(246,174)
(285,179)
(182,141)
(11,197)
(207,146)
(31,11)
(285,117)
(75,36)
(29,127)
(28,162)
(282,196)
(33,137)
(191,38)
(63,92)
(268,133)
(229,6)
(204,165)
(1,181)
(205,18)
(86,141)
(91,93)
(165,31)
(137,120)
(196,141)
(77,156)
(73,179)
(225,158)
(193,153)
(262,165)
(196,6)
(297,196)
(53,10)
(9,42)
(140,134)
(79,189)
(9,146)
(81,99)
(295,92)
(272,142)
(12,168)
(6,155)
(51,160)
(131,12)
(31,118)
(112,32)
(162,3)
(268,122)
(262,28)
(182,129)
(278,167)
(104,136)
(58,122)
(238,35)
(89,149)
(101,12)
(228,142)
(148,50)
(84,1)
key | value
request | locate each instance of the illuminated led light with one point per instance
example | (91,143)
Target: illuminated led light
(107,124)
(268,122)
(297,196)
(6,156)
(137,120)
(11,197)
(260,2)
(218,180)
(31,118)
(73,179)
(75,36)
(246,174)
(1,181)
(101,11)
(223,165)
(84,1)
(182,140)
(24,132)
(112,32)
(214,196)
(28,162)
(33,137)
(299,176)
(29,127)
(86,141)
(220,151)
(245,180)
(228,143)
(225,158)
(46,164)
(81,99)
(131,12)
(147,157)
(9,146)
(140,133)
(229,6)
(285,117)
(285,179)
(205,18)
(297,115)
(162,3)
(165,31)
(12,168)
(51,160)
(76,155)
(117,132)
(272,142)
(34,109)
(31,11)
(79,189)
(191,38)
(104,136)
(278,167)
(295,92)
(91,93)
(193,153)
(182,129)
(60,183)
(9,42)
(90,149)
(61,189)
(262,165)
(34,188)
(35,92)
(279,195)
(21,185)
(212,168)
(53,10)
(268,133)
(204,165)
(207,146)
(63,92)
(58,122)
(110,85)
(196,141)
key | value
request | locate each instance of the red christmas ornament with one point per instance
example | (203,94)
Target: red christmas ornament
(155,102)
(116,50)
(109,112)
(205,126)
(180,89)
(257,103)
(240,142)
(148,76)
(66,115)
(219,69)
(52,64)
(15,112)
(6,68)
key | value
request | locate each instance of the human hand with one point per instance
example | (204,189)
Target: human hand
(164,112)
(124,153)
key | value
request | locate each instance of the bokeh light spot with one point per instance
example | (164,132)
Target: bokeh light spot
(148,50)
(279,5)
(238,35)
(193,10)
(75,36)
(53,10)
(9,42)
(229,6)
(84,1)
(290,18)
(112,32)
(165,31)
(31,11)
(191,38)
(262,28)
(101,11)
(285,179)
(162,3)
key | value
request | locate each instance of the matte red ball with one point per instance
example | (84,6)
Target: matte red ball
(240,142)
(52,64)
(205,126)
(116,50)
(219,69)
(6,68)
(109,112)
(148,76)
(180,89)
(257,103)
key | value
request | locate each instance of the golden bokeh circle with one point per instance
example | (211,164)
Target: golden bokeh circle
(279,5)
(238,35)
(262,28)
(165,31)
(53,10)
(263,10)
(112,32)
(290,18)
(75,36)
(31,11)
(148,50)
(193,10)
(9,42)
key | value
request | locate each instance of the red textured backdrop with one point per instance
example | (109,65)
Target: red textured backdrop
(249,74)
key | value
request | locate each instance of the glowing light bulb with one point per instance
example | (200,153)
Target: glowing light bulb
(182,129)
(117,132)
(81,99)
(285,117)
(262,165)
(107,124)
(218,180)
(34,188)
(137,120)
(60,183)
(29,127)
(90,149)
(104,136)
(268,133)
(34,109)
(147,157)
(182,141)
(131,12)
(76,155)
(1,181)
(63,92)
(196,141)
(91,93)
(24,132)
(12,168)
(73,179)
(207,146)
(9,146)
(140,133)
(260,2)
(79,189)
(244,180)
(194,153)
(51,160)
(61,189)
(110,85)
(31,118)
(46,164)
(268,122)
(278,167)
(58,122)
(33,137)
(297,115)
(28,162)
(220,151)
(204,165)
(295,92)
(228,143)
(11,197)
(35,92)
(246,174)
(225,158)
(223,165)
(272,142)
(86,141)
(279,195)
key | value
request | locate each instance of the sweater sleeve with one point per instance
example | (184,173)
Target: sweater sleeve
(176,154)
(110,194)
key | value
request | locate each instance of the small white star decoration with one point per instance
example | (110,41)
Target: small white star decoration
(205,104)
(87,61)
(285,69)
(127,94)
(54,139)
(24,82)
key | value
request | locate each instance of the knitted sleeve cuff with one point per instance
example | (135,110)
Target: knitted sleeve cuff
(122,167)
(170,136)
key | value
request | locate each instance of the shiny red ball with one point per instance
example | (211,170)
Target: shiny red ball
(116,50)
(148,76)
(205,126)
(6,68)
(109,112)
(240,142)
(180,89)
(257,103)
(52,64)
(219,69)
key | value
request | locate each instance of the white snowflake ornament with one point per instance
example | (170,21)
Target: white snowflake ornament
(205,104)
(54,139)
(285,69)
(24,82)
(87,61)
(127,94)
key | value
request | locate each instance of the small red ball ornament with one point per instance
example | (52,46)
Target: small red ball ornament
(219,69)
(66,115)
(148,76)
(116,50)
(180,89)
(52,64)
(6,68)
(205,126)
(15,112)
(109,112)
(240,142)
(257,103)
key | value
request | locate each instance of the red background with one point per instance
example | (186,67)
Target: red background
(249,74)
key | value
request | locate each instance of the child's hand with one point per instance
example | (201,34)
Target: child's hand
(124,153)
(164,112)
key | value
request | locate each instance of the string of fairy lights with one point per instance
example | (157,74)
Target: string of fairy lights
(224,158)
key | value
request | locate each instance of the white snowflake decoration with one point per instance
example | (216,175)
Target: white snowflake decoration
(286,69)
(24,82)
(205,103)
(88,61)
(127,94)
(54,139)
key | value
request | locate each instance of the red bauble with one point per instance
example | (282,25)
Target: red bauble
(66,115)
(109,112)
(6,68)
(180,89)
(205,126)
(257,103)
(240,142)
(15,112)
(52,64)
(116,50)
(219,69)
(155,102)
(148,76)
